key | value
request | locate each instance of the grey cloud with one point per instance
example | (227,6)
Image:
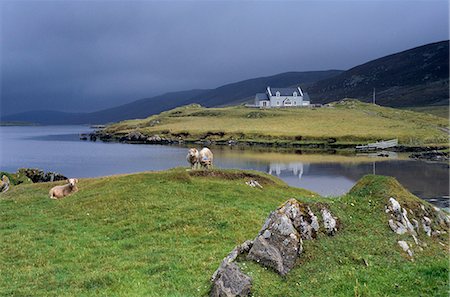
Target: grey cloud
(82,56)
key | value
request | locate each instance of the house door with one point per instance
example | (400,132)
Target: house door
(287,102)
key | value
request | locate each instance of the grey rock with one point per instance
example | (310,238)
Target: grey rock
(230,282)
(399,221)
(240,249)
(397,227)
(39,176)
(404,245)
(134,136)
(426,224)
(280,250)
(329,222)
(155,139)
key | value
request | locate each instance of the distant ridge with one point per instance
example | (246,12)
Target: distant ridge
(415,77)
(411,78)
(234,93)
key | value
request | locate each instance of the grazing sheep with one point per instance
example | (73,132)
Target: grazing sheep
(62,191)
(193,158)
(4,184)
(206,158)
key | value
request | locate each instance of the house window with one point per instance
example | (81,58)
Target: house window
(278,102)
(295,102)
(278,94)
(295,94)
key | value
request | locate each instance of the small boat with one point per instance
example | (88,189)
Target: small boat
(379,145)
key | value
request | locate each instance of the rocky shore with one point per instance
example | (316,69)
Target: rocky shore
(137,137)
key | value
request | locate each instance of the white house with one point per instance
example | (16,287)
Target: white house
(282,97)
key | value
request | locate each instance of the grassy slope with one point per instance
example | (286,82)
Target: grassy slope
(440,111)
(164,233)
(347,122)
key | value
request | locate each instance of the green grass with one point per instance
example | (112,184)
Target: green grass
(440,111)
(164,234)
(347,122)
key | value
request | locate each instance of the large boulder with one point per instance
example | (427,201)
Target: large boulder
(280,240)
(230,282)
(278,243)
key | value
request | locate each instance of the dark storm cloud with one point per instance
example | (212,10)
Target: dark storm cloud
(79,55)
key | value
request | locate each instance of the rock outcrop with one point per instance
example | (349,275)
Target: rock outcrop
(427,220)
(280,240)
(39,176)
(433,155)
(134,136)
(399,221)
(277,245)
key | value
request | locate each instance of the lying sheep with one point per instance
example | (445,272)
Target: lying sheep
(4,184)
(62,191)
(193,158)
(206,158)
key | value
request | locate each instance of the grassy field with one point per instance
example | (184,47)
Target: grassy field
(440,111)
(347,122)
(164,234)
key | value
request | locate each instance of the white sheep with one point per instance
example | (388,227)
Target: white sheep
(62,191)
(206,158)
(193,158)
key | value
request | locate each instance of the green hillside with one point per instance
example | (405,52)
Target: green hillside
(345,122)
(164,234)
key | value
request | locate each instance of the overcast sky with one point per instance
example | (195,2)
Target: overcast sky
(84,56)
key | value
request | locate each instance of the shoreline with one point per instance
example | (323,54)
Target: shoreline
(136,137)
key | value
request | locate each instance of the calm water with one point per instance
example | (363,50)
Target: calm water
(58,148)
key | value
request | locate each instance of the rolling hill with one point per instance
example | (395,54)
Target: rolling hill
(415,77)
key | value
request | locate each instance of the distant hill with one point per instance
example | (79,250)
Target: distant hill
(137,109)
(245,90)
(225,95)
(415,77)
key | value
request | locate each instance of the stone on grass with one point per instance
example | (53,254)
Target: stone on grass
(278,243)
(230,282)
(399,221)
(329,222)
(240,249)
(404,245)
(426,224)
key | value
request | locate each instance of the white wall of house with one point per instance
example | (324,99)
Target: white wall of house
(275,99)
(288,101)
(264,103)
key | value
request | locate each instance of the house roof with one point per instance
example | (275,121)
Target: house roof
(306,97)
(284,91)
(261,96)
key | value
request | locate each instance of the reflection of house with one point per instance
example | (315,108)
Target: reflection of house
(297,168)
(282,97)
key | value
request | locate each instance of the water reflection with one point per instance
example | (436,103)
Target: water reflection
(426,180)
(297,168)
